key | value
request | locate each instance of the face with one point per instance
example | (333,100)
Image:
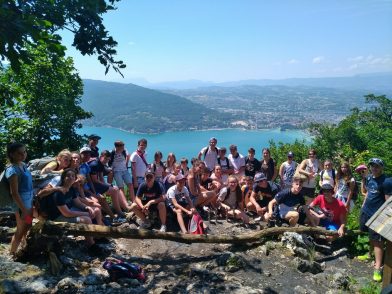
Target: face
(142,146)
(65,161)
(233,151)
(75,160)
(289,158)
(205,176)
(85,156)
(222,153)
(327,165)
(181,184)
(70,178)
(217,170)
(94,142)
(251,154)
(249,183)
(263,183)
(19,155)
(296,186)
(232,184)
(328,195)
(149,180)
(177,170)
(344,169)
(213,143)
(376,170)
(311,155)
(105,159)
(119,146)
(266,154)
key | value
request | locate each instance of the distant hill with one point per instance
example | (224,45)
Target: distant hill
(137,109)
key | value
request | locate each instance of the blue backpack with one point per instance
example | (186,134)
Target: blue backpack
(119,269)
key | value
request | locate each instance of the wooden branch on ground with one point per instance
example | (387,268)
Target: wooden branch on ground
(58,229)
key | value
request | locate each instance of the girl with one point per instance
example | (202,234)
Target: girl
(170,161)
(63,161)
(345,185)
(21,189)
(157,167)
(268,165)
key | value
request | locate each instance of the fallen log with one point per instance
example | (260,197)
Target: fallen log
(58,229)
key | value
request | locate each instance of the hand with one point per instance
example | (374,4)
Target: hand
(347,205)
(259,210)
(189,212)
(63,189)
(312,174)
(27,216)
(341,231)
(90,212)
(193,210)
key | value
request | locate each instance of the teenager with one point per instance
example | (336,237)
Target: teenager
(287,171)
(345,186)
(139,163)
(209,154)
(268,165)
(309,168)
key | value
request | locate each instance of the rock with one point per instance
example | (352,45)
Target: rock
(128,282)
(161,290)
(340,280)
(263,249)
(93,279)
(300,290)
(114,285)
(68,284)
(307,266)
(291,239)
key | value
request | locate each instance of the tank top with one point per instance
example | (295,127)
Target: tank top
(311,167)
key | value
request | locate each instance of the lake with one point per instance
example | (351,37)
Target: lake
(189,143)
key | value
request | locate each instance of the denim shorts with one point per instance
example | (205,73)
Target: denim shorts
(27,199)
(122,177)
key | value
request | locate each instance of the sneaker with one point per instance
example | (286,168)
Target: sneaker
(145,224)
(377,275)
(257,219)
(365,257)
(206,208)
(119,220)
(163,229)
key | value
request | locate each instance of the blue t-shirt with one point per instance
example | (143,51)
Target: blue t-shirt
(25,181)
(375,194)
(289,198)
(96,167)
(50,204)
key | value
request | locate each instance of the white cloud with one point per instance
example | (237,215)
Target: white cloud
(293,61)
(318,59)
(355,59)
(369,61)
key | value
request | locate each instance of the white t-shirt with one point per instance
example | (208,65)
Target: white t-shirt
(311,166)
(141,167)
(210,158)
(119,161)
(230,200)
(180,196)
(237,163)
(327,177)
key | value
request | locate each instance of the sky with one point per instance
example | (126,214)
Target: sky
(229,40)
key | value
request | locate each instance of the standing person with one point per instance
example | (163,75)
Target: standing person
(224,162)
(209,154)
(309,168)
(237,161)
(158,167)
(21,190)
(119,158)
(184,167)
(139,163)
(170,162)
(345,186)
(377,189)
(268,165)
(252,165)
(328,174)
(93,141)
(149,196)
(287,171)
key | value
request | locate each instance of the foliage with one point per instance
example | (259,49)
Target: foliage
(371,288)
(279,151)
(40,104)
(37,23)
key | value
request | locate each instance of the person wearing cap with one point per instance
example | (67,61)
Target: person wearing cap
(224,162)
(252,165)
(149,197)
(287,170)
(288,201)
(327,211)
(376,190)
(93,140)
(237,161)
(139,163)
(263,192)
(209,154)
(179,201)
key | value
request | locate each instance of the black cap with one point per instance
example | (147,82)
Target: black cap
(326,187)
(94,136)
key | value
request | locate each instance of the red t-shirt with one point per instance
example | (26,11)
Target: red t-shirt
(334,209)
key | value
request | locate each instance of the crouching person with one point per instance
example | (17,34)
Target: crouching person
(179,201)
(64,206)
(149,196)
(231,200)
(288,201)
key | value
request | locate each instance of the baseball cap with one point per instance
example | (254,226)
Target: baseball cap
(326,187)
(376,161)
(290,154)
(180,177)
(94,136)
(85,149)
(259,177)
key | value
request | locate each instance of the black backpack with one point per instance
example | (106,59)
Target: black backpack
(124,153)
(333,175)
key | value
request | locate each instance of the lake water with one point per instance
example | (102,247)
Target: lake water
(189,143)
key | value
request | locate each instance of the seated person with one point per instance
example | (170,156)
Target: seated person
(64,205)
(170,179)
(207,183)
(63,161)
(149,196)
(184,167)
(329,212)
(231,200)
(217,177)
(178,200)
(263,192)
(97,167)
(247,189)
(287,201)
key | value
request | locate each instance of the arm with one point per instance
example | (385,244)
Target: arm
(281,173)
(48,190)
(91,184)
(13,182)
(271,206)
(50,168)
(134,178)
(191,185)
(350,193)
(79,204)
(178,206)
(302,168)
(275,175)
(65,211)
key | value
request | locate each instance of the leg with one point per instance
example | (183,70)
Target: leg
(378,253)
(292,217)
(138,211)
(180,220)
(162,212)
(21,231)
(239,214)
(122,199)
(87,220)
(114,194)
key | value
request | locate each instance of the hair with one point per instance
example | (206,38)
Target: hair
(223,149)
(347,177)
(312,151)
(266,149)
(233,147)
(184,160)
(142,141)
(238,192)
(173,156)
(64,174)
(206,171)
(12,148)
(105,153)
(251,150)
(248,178)
(299,177)
(118,143)
(63,153)
(195,161)
(156,154)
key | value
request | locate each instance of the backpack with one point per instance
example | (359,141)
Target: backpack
(6,200)
(227,162)
(119,269)
(124,153)
(205,152)
(333,175)
(195,225)
(154,166)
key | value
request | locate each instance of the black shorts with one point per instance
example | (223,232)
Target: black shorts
(101,188)
(363,218)
(308,192)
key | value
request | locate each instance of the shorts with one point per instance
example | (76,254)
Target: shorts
(184,204)
(27,199)
(329,225)
(284,210)
(374,236)
(64,219)
(101,188)
(122,177)
(308,192)
(193,199)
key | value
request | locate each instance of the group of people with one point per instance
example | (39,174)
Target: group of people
(233,186)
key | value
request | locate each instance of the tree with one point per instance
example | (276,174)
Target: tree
(40,104)
(37,22)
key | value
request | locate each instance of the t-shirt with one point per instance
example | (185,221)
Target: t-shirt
(49,204)
(237,163)
(265,195)
(344,188)
(120,161)
(85,170)
(94,151)
(375,194)
(230,199)
(25,181)
(180,196)
(288,172)
(141,166)
(327,177)
(225,165)
(55,181)
(311,166)
(146,194)
(268,168)
(251,167)
(210,158)
(333,210)
(96,167)
(289,199)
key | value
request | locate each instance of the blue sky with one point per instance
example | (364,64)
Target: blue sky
(226,40)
